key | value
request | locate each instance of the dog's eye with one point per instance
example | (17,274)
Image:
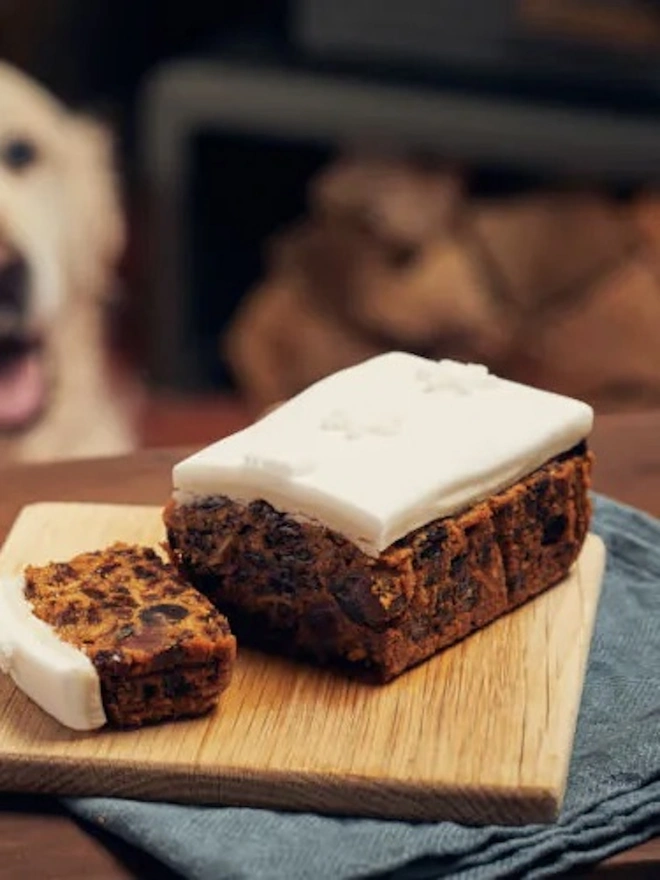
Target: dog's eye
(18,154)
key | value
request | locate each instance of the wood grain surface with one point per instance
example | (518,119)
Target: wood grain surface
(38,838)
(481,733)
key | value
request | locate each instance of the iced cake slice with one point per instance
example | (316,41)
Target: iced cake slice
(385,512)
(114,637)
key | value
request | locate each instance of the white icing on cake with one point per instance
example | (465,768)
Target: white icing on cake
(54,674)
(380,449)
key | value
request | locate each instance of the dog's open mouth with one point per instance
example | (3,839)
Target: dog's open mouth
(22,375)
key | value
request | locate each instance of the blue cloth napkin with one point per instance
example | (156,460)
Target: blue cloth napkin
(612,802)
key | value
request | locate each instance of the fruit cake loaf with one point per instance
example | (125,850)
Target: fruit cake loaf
(385,512)
(114,636)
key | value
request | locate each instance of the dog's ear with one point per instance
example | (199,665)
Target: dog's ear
(96,216)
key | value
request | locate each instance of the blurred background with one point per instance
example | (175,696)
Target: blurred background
(312,182)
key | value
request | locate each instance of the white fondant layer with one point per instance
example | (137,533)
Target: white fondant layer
(54,674)
(377,450)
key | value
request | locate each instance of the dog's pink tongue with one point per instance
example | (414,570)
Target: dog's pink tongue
(22,391)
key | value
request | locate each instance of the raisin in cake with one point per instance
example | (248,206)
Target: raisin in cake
(114,636)
(386,512)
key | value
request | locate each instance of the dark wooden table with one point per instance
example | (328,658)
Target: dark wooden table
(38,839)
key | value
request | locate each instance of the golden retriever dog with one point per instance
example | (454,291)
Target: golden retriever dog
(61,235)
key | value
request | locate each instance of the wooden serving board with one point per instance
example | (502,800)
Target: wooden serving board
(481,733)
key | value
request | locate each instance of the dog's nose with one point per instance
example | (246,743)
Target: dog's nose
(13,294)
(7,255)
